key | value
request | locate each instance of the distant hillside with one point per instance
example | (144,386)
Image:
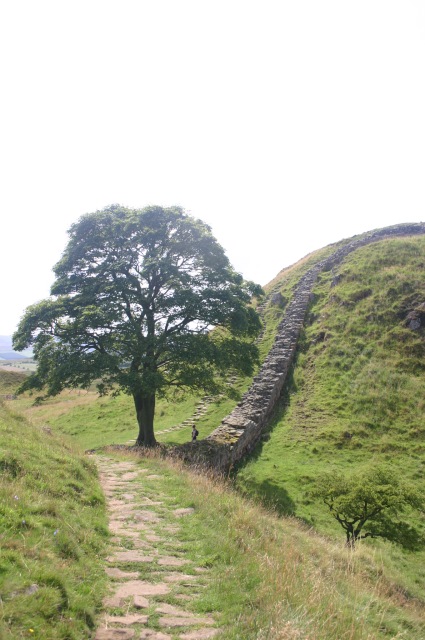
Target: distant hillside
(7,352)
(10,381)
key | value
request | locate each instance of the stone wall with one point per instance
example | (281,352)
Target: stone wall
(242,429)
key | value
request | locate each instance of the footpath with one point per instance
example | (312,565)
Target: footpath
(153,584)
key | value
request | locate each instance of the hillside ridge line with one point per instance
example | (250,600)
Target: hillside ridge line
(241,430)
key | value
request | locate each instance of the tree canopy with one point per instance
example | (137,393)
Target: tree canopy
(144,300)
(371,504)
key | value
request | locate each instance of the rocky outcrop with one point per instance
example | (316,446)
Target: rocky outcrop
(416,318)
(242,429)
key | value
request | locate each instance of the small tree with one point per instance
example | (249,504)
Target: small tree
(136,298)
(370,504)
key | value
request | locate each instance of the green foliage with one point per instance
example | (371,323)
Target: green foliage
(370,504)
(52,533)
(136,295)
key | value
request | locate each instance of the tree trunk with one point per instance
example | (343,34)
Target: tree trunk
(351,542)
(351,536)
(145,410)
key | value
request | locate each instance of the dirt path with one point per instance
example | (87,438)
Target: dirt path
(153,583)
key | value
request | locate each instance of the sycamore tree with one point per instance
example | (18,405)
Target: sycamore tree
(372,504)
(144,301)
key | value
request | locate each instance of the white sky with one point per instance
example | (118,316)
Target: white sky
(285,125)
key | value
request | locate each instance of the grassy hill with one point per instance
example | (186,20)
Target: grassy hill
(269,577)
(357,394)
(356,398)
(52,533)
(7,352)
(10,381)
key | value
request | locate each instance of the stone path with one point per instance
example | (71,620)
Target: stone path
(152,582)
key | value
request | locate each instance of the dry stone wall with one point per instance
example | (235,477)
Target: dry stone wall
(242,429)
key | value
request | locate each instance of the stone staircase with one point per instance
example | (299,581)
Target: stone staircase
(200,410)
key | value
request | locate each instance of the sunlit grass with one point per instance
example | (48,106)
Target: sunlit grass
(273,578)
(52,535)
(95,421)
(357,394)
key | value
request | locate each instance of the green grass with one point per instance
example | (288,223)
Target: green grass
(357,394)
(266,576)
(10,380)
(94,422)
(271,578)
(52,535)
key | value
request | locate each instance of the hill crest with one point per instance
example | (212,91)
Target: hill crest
(7,352)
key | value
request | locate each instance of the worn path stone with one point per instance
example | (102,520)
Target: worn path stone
(137,524)
(131,475)
(200,634)
(179,621)
(172,561)
(145,516)
(171,610)
(140,602)
(150,634)
(141,588)
(129,556)
(114,572)
(131,618)
(178,577)
(114,634)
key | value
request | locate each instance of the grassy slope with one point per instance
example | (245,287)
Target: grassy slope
(96,422)
(271,578)
(360,371)
(268,577)
(10,380)
(52,533)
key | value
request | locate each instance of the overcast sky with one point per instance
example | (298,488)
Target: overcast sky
(285,125)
